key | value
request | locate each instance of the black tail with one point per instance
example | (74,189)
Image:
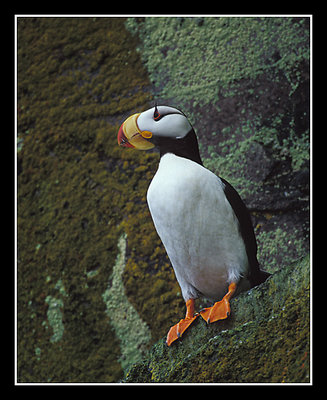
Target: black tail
(258,277)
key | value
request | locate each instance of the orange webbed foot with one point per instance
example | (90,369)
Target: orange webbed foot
(221,309)
(176,331)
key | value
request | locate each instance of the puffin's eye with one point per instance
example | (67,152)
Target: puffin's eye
(156,115)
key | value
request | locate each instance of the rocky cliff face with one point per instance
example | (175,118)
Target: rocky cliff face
(90,265)
(266,339)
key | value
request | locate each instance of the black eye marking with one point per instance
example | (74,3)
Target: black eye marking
(156,114)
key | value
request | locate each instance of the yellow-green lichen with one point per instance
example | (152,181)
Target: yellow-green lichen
(78,77)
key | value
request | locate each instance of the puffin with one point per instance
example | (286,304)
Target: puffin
(200,218)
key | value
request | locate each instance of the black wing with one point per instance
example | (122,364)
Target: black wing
(256,275)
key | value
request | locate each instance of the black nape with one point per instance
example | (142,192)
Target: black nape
(186,147)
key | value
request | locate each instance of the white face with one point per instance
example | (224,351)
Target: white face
(170,122)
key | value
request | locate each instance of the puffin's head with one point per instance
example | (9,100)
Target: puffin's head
(150,128)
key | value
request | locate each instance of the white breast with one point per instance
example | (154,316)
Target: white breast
(197,227)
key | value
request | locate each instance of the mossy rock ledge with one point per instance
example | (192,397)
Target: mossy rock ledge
(265,340)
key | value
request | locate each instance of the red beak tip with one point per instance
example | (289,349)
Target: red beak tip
(122,139)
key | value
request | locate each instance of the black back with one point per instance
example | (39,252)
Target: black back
(256,276)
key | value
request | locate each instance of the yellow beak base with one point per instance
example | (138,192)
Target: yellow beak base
(129,134)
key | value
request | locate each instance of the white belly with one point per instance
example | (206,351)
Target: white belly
(197,227)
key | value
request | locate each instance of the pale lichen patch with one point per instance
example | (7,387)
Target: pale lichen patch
(133,333)
(54,315)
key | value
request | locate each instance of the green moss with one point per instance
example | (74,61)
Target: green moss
(227,49)
(279,247)
(266,339)
(77,77)
(241,63)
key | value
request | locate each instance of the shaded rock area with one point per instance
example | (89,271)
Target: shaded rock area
(266,339)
